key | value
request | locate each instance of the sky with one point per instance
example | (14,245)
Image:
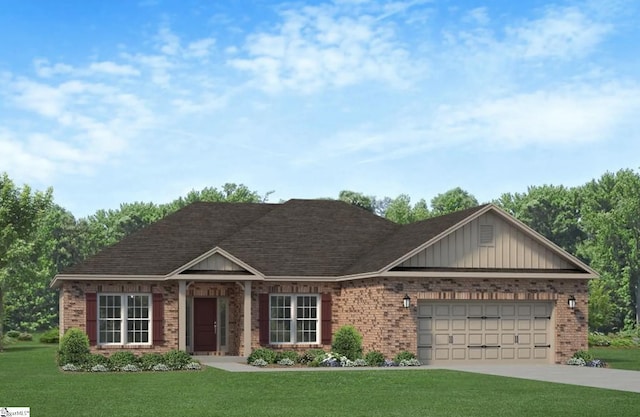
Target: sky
(112,102)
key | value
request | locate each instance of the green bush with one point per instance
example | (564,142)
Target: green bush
(308,357)
(120,359)
(584,355)
(374,358)
(51,336)
(74,347)
(599,339)
(94,359)
(287,354)
(267,355)
(622,342)
(405,355)
(149,360)
(177,359)
(25,337)
(347,341)
(13,334)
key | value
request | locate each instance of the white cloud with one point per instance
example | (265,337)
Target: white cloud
(112,68)
(561,33)
(324,46)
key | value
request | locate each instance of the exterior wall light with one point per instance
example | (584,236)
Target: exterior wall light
(572,302)
(406,301)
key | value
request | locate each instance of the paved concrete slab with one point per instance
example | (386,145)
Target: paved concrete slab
(606,378)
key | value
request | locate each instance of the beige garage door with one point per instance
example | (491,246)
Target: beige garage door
(483,331)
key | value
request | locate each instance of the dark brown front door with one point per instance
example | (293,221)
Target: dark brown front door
(205,326)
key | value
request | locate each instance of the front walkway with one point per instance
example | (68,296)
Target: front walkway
(606,378)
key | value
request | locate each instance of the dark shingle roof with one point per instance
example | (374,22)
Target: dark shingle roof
(297,238)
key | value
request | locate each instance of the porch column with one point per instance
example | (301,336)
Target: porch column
(182,315)
(247,318)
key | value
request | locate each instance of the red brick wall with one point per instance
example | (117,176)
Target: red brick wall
(74,315)
(374,307)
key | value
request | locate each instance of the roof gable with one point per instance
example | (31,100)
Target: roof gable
(490,239)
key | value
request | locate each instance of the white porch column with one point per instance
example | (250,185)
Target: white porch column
(247,318)
(182,315)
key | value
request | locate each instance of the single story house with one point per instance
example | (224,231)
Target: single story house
(476,285)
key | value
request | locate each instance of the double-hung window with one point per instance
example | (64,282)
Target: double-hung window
(293,319)
(124,319)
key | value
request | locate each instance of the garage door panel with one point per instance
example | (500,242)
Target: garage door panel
(492,310)
(475,324)
(459,310)
(425,339)
(508,353)
(491,353)
(491,324)
(459,332)
(442,324)
(425,324)
(540,324)
(459,324)
(441,354)
(541,353)
(475,310)
(442,339)
(425,310)
(459,354)
(442,310)
(492,339)
(524,353)
(508,325)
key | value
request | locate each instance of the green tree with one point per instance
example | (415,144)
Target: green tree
(452,200)
(21,211)
(610,216)
(358,199)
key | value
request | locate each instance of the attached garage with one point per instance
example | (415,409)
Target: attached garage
(456,332)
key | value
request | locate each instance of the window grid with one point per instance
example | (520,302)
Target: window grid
(293,319)
(124,317)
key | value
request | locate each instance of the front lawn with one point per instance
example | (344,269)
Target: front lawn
(29,377)
(618,358)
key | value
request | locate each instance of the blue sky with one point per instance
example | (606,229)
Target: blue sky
(120,101)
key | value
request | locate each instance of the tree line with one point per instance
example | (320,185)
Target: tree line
(599,222)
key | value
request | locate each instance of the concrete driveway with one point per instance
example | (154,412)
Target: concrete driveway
(562,374)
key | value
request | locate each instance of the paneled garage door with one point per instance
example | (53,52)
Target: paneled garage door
(484,331)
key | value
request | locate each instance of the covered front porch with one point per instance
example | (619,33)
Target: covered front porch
(214,317)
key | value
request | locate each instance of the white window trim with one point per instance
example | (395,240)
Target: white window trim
(124,319)
(294,318)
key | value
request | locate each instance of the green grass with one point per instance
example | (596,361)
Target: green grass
(618,358)
(29,377)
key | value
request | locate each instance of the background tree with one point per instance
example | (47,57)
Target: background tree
(21,211)
(452,200)
(358,199)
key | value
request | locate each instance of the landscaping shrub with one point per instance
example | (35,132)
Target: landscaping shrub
(13,334)
(598,339)
(25,337)
(150,360)
(288,354)
(405,355)
(309,356)
(267,355)
(74,347)
(51,336)
(95,359)
(347,341)
(121,359)
(584,355)
(374,358)
(177,359)
(622,342)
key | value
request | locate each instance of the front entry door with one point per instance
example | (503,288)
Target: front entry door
(205,326)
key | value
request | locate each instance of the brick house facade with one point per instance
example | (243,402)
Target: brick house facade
(221,278)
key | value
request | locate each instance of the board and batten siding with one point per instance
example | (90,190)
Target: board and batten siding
(510,248)
(216,262)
